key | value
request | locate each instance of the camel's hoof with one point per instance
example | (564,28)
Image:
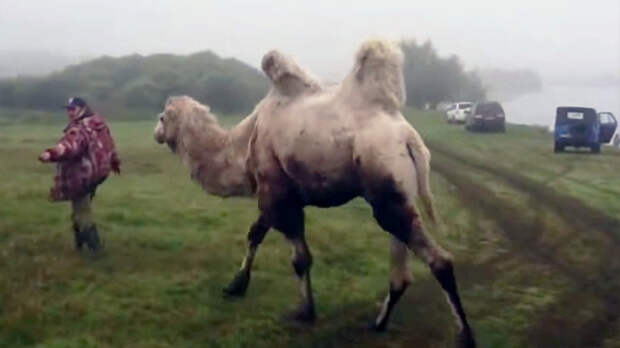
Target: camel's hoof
(465,339)
(381,327)
(238,286)
(304,314)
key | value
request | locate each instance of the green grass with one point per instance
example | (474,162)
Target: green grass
(530,274)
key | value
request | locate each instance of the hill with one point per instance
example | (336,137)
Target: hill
(142,82)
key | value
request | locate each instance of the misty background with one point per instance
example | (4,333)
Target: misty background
(530,55)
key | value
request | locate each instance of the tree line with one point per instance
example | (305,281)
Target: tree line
(431,79)
(229,86)
(137,82)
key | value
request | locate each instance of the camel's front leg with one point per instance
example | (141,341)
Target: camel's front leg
(302,260)
(239,284)
(289,219)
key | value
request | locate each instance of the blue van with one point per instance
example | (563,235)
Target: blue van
(582,127)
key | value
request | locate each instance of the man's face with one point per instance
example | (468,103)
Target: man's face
(73,111)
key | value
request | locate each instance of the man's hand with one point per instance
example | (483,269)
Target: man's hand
(116,166)
(44,157)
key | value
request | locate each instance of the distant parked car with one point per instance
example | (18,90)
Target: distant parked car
(486,116)
(458,112)
(448,110)
(582,127)
(442,106)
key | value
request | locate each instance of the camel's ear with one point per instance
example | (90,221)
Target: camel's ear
(287,77)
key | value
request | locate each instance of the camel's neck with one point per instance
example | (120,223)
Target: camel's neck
(216,157)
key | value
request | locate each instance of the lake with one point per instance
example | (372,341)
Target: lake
(539,108)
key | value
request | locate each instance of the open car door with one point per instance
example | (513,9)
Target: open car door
(608,126)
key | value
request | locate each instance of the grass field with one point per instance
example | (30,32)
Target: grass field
(535,238)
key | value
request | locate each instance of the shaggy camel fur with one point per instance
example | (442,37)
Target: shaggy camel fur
(305,144)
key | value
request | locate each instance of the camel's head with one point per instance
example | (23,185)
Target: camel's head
(181,115)
(167,127)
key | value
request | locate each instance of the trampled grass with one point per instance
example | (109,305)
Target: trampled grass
(170,248)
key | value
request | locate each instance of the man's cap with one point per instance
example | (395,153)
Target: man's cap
(75,102)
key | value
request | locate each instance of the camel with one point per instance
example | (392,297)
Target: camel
(306,144)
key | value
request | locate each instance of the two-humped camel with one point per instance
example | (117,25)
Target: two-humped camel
(305,144)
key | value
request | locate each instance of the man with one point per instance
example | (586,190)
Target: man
(85,156)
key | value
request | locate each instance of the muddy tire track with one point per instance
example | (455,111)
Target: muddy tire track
(598,281)
(421,319)
(569,208)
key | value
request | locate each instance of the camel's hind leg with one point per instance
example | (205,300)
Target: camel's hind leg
(400,278)
(440,264)
(397,215)
(239,284)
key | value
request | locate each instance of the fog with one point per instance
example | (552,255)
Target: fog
(559,39)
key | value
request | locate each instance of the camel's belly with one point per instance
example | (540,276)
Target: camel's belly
(315,146)
(328,195)
(323,181)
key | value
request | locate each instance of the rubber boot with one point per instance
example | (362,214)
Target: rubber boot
(92,238)
(79,237)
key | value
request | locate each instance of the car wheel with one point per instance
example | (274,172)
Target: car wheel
(557,147)
(596,148)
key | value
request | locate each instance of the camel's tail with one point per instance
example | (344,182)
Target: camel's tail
(379,74)
(421,158)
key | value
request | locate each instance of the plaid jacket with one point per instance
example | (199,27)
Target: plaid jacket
(85,157)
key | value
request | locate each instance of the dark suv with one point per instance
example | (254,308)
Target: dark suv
(487,116)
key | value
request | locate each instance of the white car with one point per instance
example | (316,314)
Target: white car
(457,112)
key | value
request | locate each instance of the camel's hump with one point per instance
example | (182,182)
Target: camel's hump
(287,76)
(378,74)
(379,50)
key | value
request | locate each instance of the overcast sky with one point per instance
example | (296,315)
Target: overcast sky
(554,37)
